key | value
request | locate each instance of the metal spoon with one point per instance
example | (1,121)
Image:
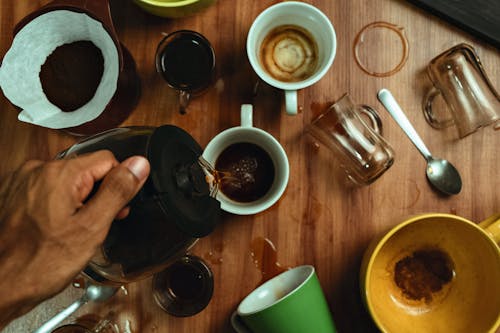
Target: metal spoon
(440,173)
(96,293)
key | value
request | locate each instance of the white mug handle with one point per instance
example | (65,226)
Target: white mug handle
(237,324)
(246,115)
(291,102)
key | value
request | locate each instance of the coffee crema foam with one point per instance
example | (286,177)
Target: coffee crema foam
(289,53)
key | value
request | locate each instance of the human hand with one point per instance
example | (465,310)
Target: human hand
(48,232)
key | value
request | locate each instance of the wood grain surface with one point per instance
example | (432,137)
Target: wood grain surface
(319,220)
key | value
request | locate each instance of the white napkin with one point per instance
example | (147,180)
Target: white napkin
(20,69)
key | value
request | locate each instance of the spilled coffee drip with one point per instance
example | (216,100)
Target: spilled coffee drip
(289,53)
(71,74)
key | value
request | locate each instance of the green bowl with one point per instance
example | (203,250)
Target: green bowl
(173,8)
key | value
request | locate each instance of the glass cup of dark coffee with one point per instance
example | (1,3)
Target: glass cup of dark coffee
(251,167)
(91,324)
(184,288)
(186,61)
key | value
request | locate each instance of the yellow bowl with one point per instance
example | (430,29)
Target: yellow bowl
(464,294)
(174,8)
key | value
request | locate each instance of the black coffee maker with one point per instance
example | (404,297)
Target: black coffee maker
(172,210)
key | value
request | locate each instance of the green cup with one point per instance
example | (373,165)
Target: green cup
(291,302)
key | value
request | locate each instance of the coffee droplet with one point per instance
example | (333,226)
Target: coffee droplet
(423,274)
(289,53)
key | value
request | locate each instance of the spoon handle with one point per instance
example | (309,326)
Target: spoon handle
(390,103)
(54,321)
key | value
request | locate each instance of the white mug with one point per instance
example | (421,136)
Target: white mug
(246,133)
(306,17)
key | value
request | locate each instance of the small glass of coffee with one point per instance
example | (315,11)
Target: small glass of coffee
(72,328)
(185,287)
(90,324)
(186,61)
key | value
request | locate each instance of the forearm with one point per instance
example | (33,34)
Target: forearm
(15,296)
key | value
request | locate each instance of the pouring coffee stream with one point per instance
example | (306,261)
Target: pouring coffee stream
(440,173)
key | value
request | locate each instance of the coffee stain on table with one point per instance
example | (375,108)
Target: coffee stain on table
(265,258)
(362,38)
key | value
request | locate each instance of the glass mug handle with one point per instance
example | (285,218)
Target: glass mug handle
(376,122)
(429,114)
(184,98)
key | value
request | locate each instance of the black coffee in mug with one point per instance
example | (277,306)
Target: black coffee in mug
(186,61)
(246,172)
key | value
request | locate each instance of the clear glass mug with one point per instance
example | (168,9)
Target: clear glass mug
(93,325)
(186,61)
(365,155)
(458,75)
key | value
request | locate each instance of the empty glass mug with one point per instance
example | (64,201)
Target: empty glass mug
(364,154)
(458,75)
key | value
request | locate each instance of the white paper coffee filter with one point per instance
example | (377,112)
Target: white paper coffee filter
(20,69)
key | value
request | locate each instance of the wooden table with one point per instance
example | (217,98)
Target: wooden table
(318,221)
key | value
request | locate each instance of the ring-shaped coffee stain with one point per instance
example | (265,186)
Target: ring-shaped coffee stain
(359,40)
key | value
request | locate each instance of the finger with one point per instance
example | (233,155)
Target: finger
(97,164)
(90,168)
(118,187)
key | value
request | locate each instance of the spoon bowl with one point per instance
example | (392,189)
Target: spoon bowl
(442,175)
(99,293)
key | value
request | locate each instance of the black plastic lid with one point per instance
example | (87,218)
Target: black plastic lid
(180,181)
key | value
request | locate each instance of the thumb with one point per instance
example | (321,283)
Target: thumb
(118,187)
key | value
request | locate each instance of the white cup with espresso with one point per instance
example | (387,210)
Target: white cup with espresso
(253,166)
(291,45)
